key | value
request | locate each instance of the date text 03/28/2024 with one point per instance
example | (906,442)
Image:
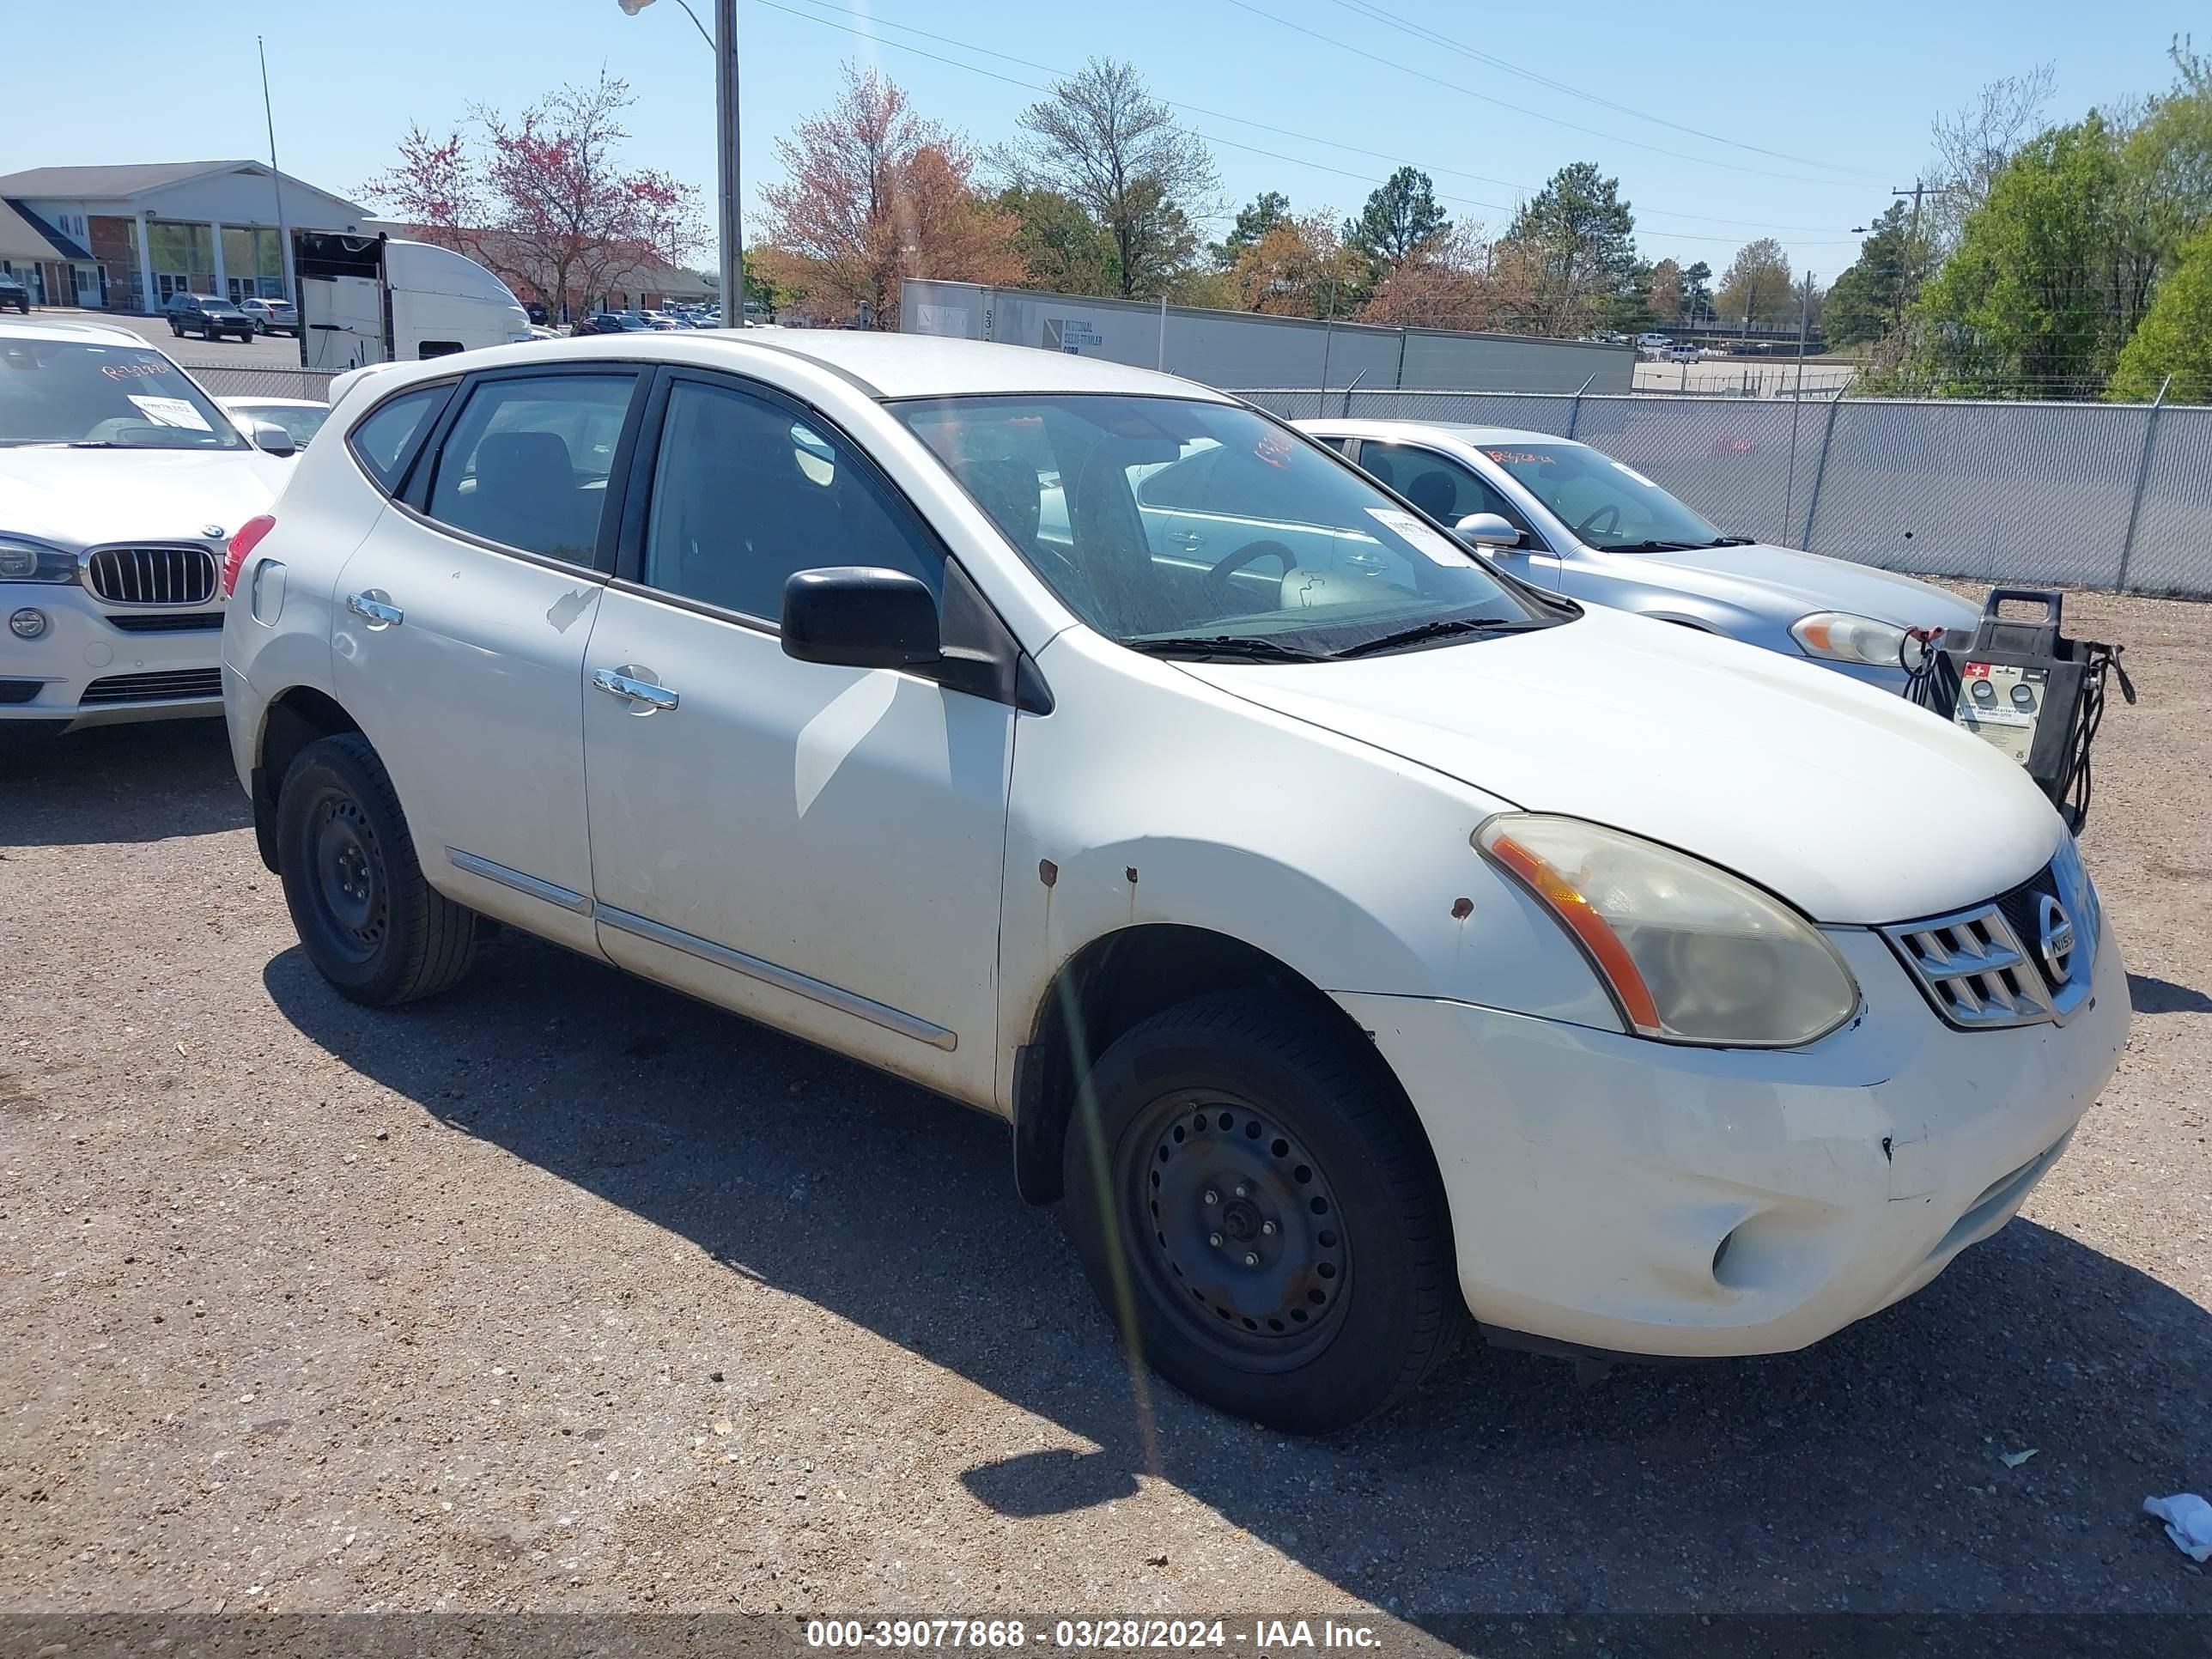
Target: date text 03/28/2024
(1263,1635)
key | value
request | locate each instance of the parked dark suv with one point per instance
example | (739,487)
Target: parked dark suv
(13,293)
(206,316)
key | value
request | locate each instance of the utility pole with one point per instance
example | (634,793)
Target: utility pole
(1804,325)
(1921,187)
(723,43)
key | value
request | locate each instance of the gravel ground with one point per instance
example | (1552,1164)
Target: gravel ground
(564,1293)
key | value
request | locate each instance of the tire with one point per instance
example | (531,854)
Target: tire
(373,926)
(176,328)
(1334,1290)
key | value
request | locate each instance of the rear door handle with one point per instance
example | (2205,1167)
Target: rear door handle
(623,683)
(375,608)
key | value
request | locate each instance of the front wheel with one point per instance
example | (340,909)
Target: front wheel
(369,922)
(1255,1205)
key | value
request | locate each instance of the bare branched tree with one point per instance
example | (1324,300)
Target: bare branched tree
(1105,141)
(1974,142)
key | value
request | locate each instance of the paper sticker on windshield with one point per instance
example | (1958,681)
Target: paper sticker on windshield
(171,412)
(1623,466)
(1425,539)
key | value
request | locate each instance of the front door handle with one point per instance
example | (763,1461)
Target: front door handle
(374,607)
(626,683)
(1185,538)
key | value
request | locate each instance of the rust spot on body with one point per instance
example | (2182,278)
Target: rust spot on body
(1463,909)
(1048,871)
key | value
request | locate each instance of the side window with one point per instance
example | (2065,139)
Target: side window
(382,442)
(745,496)
(526,463)
(1182,482)
(1444,488)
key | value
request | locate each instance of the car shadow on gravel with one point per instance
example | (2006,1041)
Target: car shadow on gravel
(1868,1474)
(120,783)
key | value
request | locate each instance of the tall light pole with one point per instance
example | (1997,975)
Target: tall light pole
(733,273)
(275,183)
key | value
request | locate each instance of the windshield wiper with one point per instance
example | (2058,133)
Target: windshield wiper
(1730,541)
(1657,547)
(1194,649)
(1441,627)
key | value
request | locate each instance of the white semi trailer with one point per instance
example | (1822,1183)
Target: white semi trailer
(373,299)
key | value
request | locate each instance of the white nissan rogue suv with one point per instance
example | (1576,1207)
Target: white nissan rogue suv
(1356,938)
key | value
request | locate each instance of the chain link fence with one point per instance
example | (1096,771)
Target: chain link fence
(2113,496)
(230,380)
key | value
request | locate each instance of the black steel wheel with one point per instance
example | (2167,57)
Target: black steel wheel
(1256,1206)
(1247,1243)
(373,926)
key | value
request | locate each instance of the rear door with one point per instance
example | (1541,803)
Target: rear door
(459,644)
(341,322)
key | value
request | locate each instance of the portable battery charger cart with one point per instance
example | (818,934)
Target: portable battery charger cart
(2024,689)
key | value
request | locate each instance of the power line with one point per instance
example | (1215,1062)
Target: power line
(1231,144)
(1499,103)
(1422,32)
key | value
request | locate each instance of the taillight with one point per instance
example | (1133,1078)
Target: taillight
(248,537)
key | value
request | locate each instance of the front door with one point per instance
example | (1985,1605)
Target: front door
(1448,490)
(459,645)
(819,847)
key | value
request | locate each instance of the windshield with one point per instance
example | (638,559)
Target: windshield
(302,421)
(1606,504)
(1185,524)
(113,397)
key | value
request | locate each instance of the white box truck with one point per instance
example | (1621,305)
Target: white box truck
(369,300)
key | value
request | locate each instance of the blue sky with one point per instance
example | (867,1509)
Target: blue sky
(1844,93)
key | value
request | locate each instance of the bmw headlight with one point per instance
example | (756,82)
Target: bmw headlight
(1690,953)
(23,560)
(1838,636)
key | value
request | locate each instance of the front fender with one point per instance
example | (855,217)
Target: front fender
(1150,796)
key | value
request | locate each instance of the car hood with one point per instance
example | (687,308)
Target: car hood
(1758,576)
(1851,803)
(83,497)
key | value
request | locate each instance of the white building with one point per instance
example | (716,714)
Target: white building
(125,237)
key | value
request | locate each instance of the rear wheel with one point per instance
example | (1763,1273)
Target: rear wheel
(1255,1205)
(370,923)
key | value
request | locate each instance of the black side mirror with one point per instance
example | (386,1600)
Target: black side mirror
(859,616)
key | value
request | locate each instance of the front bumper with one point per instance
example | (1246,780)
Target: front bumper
(1624,1196)
(89,671)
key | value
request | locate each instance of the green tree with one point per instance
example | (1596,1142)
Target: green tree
(2175,337)
(1868,299)
(1064,248)
(1757,287)
(1663,294)
(1698,293)
(2026,301)
(1572,246)
(1269,209)
(1399,218)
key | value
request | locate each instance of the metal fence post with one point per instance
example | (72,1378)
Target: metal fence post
(1575,411)
(1820,467)
(2142,477)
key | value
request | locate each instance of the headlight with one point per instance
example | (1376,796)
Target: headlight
(1836,636)
(1690,953)
(23,560)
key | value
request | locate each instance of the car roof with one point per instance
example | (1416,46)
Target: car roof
(1464,432)
(881,365)
(25,329)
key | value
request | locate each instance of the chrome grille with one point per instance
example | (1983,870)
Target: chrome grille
(180,574)
(1993,965)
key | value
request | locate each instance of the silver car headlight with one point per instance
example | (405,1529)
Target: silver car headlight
(1839,636)
(24,560)
(1690,953)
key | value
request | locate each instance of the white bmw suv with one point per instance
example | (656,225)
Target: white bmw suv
(1356,938)
(120,481)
